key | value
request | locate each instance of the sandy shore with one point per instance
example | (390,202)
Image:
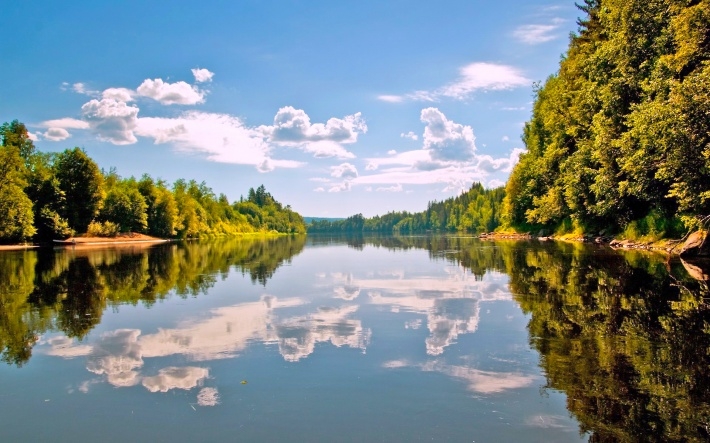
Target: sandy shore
(130,239)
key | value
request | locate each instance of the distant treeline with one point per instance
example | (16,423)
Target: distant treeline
(45,196)
(477,210)
(619,138)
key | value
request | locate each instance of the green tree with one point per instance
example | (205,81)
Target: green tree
(621,130)
(125,206)
(48,199)
(162,211)
(15,134)
(81,181)
(16,216)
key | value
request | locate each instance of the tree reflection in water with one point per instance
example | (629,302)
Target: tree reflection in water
(67,290)
(625,335)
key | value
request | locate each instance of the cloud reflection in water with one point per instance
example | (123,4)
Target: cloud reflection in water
(119,355)
(451,302)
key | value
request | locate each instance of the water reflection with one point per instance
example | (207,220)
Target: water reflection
(68,290)
(476,380)
(626,339)
(450,302)
(119,355)
(625,335)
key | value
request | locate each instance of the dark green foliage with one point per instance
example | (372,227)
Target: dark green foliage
(623,129)
(162,212)
(15,134)
(47,198)
(478,210)
(263,211)
(83,186)
(124,204)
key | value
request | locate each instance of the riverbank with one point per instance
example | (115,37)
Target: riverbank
(131,238)
(667,246)
(126,239)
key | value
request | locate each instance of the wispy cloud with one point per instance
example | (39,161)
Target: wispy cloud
(535,34)
(391,98)
(394,188)
(480,76)
(81,88)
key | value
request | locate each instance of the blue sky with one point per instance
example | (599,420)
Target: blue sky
(337,107)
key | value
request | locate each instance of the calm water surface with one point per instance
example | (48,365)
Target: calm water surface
(374,339)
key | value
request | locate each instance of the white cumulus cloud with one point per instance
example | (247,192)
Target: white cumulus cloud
(81,88)
(342,187)
(120,94)
(56,134)
(294,126)
(178,93)
(113,115)
(446,140)
(327,149)
(202,75)
(410,135)
(448,156)
(344,170)
(113,121)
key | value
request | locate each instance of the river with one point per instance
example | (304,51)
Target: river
(352,339)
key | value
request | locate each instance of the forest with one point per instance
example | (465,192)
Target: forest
(619,137)
(477,210)
(618,143)
(48,196)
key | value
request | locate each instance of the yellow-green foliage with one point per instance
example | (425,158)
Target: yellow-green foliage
(102,229)
(621,131)
(45,197)
(653,227)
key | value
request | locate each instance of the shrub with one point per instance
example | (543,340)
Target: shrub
(105,229)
